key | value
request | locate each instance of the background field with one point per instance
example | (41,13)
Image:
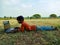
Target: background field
(32,37)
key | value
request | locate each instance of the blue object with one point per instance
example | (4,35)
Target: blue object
(45,28)
(9,30)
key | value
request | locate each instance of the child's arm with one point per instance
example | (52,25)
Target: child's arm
(17,28)
(22,28)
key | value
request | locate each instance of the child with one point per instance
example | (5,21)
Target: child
(25,26)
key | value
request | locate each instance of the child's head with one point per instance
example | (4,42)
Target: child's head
(20,19)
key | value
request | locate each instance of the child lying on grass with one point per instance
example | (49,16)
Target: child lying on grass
(27,27)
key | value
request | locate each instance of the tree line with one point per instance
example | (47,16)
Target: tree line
(35,16)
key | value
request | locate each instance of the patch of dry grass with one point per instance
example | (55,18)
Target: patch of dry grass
(31,38)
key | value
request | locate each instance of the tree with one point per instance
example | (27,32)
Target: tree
(27,17)
(10,17)
(53,16)
(59,16)
(31,17)
(36,16)
(5,17)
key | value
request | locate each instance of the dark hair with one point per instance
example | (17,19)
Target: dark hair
(20,18)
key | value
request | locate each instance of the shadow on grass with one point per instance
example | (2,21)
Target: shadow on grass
(2,31)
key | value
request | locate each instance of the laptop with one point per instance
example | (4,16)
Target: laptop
(7,27)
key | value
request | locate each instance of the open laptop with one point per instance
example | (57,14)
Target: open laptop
(7,27)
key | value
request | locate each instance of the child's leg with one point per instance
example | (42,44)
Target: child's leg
(45,28)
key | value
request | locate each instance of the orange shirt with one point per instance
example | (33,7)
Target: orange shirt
(25,26)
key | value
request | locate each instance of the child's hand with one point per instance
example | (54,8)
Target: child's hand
(17,28)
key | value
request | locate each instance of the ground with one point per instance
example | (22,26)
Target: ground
(32,37)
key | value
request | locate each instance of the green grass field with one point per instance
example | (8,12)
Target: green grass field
(32,37)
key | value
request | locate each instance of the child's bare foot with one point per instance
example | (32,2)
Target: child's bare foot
(56,28)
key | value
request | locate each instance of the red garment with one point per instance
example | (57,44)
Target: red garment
(25,26)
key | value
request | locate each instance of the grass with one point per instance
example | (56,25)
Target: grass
(32,37)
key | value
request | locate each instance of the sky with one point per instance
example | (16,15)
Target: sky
(29,7)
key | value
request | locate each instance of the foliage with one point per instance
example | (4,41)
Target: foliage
(58,16)
(36,16)
(53,16)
